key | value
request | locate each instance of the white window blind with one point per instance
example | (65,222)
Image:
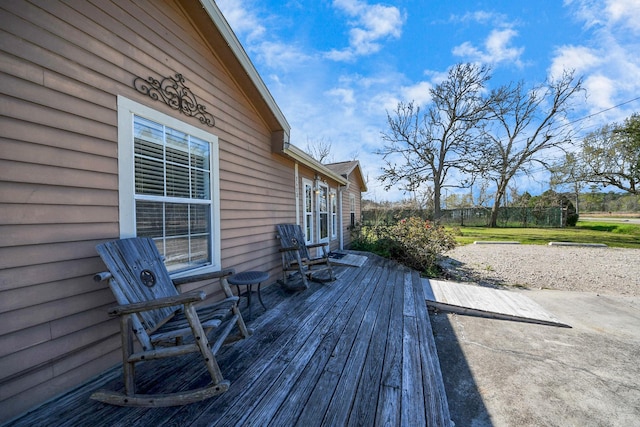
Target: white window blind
(173,198)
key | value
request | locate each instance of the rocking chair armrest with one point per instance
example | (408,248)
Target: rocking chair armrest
(317,245)
(289,249)
(203,276)
(105,275)
(183,299)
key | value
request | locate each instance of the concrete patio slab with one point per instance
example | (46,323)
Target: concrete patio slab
(502,373)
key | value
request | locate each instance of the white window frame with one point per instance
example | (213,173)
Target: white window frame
(333,207)
(308,207)
(126,179)
(323,188)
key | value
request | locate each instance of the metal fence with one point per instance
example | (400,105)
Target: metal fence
(507,217)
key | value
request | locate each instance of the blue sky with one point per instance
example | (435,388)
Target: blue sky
(336,67)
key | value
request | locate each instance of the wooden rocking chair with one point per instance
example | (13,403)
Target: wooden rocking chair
(296,257)
(161,318)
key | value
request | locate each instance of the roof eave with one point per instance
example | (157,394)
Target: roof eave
(234,44)
(300,156)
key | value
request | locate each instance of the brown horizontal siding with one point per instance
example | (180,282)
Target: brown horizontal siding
(56,214)
(17,392)
(34,155)
(12,278)
(38,385)
(54,348)
(269,210)
(29,296)
(20,235)
(10,343)
(54,175)
(243,189)
(54,310)
(35,48)
(202,71)
(63,66)
(72,99)
(46,194)
(28,131)
(55,119)
(20,256)
(254,163)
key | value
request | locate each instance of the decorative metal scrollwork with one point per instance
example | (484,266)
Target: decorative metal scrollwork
(173,92)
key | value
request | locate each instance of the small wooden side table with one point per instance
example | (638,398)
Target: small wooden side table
(248,279)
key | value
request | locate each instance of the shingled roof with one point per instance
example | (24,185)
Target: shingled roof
(345,169)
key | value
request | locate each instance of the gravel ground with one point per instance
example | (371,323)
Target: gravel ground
(611,271)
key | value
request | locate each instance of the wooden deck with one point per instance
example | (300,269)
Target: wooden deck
(356,351)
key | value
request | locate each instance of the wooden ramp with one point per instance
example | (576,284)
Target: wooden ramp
(485,302)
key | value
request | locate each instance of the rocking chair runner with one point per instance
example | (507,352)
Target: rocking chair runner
(296,257)
(160,318)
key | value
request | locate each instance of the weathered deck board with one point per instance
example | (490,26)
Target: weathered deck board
(357,351)
(318,378)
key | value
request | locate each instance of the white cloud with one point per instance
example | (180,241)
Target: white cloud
(370,25)
(419,93)
(269,51)
(344,96)
(481,17)
(608,59)
(624,13)
(601,90)
(620,15)
(578,58)
(496,49)
(280,56)
(241,19)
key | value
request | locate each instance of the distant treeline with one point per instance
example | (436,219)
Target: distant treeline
(609,202)
(507,217)
(587,202)
(549,209)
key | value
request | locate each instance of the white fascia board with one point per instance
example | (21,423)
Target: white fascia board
(223,26)
(302,157)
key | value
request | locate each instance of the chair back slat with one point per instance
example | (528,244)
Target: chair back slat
(139,275)
(292,235)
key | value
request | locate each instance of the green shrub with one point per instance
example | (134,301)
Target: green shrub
(411,241)
(572,219)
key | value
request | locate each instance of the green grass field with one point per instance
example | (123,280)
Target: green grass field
(620,235)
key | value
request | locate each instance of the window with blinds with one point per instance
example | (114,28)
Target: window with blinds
(173,198)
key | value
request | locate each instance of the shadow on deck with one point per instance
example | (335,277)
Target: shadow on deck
(356,351)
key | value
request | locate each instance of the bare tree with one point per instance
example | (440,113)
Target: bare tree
(569,172)
(611,155)
(422,148)
(524,124)
(482,197)
(320,149)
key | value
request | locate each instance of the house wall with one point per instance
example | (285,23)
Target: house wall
(62,64)
(305,172)
(354,187)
